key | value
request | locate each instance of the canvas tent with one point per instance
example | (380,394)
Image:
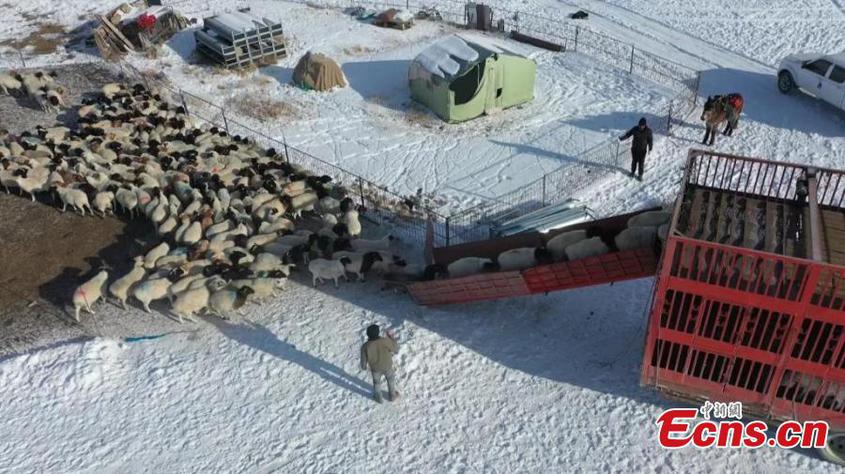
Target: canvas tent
(318,72)
(460,79)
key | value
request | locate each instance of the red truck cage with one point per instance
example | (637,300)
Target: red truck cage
(749,303)
(614,266)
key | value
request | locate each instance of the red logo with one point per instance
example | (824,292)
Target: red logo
(678,428)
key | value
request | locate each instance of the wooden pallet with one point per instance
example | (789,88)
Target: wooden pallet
(833,242)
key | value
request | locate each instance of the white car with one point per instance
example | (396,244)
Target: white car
(817,75)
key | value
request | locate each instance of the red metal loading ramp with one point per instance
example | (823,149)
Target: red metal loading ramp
(741,312)
(611,267)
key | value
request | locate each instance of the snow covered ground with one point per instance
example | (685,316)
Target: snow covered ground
(538,384)
(374,129)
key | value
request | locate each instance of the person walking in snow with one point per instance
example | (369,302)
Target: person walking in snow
(640,146)
(377,356)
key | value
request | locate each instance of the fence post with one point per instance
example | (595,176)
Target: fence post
(23,62)
(285,144)
(697,88)
(184,104)
(225,122)
(616,159)
(544,190)
(361,189)
(447,230)
(669,120)
(577,29)
(631,69)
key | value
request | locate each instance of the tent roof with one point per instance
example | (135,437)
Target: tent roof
(448,57)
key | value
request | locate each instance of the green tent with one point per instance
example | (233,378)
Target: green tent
(460,79)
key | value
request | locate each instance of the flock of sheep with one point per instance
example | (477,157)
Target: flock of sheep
(39,86)
(233,218)
(642,230)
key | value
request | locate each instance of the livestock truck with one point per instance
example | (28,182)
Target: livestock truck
(749,298)
(749,302)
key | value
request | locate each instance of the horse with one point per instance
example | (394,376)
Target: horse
(719,109)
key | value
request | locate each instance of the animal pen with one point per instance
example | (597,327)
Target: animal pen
(238,39)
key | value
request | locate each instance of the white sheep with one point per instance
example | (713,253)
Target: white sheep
(263,287)
(277,225)
(190,301)
(154,254)
(261,239)
(226,300)
(322,269)
(303,202)
(650,219)
(112,89)
(470,266)
(383,243)
(88,293)
(184,283)
(522,258)
(586,248)
(353,225)
(557,244)
(636,237)
(167,226)
(192,234)
(121,287)
(127,199)
(151,290)
(170,261)
(220,227)
(8,83)
(103,202)
(268,262)
(359,262)
(75,197)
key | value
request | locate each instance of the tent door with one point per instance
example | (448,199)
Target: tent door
(493,91)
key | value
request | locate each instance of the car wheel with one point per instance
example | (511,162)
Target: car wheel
(834,449)
(785,82)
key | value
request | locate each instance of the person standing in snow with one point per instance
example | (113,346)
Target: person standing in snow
(377,356)
(640,146)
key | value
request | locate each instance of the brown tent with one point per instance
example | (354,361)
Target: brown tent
(318,72)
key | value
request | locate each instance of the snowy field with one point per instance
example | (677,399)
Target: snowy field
(537,384)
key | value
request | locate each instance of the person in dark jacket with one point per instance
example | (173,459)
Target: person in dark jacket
(377,356)
(640,146)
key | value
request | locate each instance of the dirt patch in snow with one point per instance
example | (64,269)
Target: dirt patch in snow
(261,107)
(44,40)
(45,255)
